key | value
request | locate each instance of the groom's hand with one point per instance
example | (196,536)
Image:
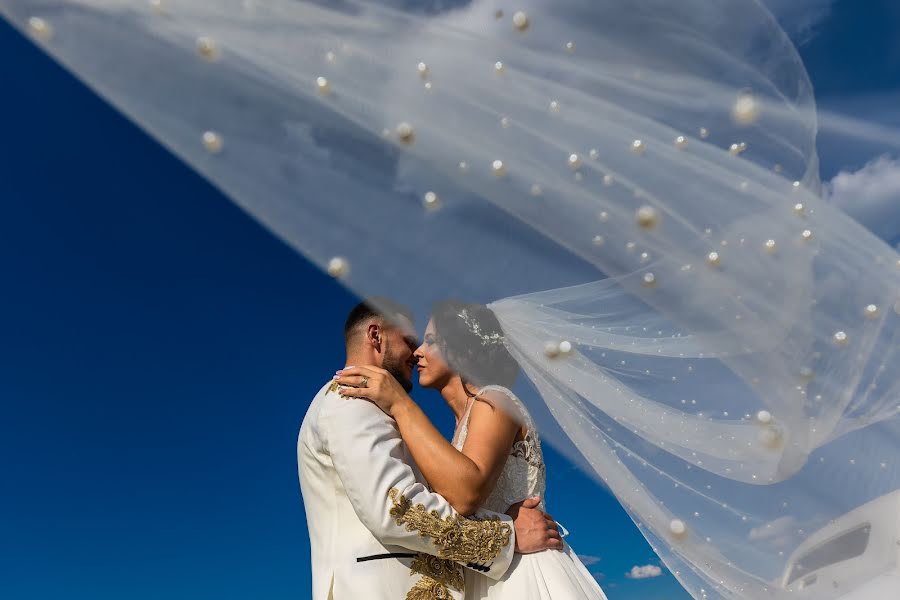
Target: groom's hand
(535,529)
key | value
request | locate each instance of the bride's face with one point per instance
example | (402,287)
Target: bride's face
(433,370)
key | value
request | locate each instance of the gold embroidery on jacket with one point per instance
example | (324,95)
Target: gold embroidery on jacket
(438,575)
(458,539)
(334,386)
(428,589)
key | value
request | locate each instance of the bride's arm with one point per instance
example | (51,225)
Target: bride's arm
(464,478)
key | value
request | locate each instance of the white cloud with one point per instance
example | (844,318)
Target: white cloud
(644,572)
(844,114)
(800,17)
(871,195)
(859,125)
(588,560)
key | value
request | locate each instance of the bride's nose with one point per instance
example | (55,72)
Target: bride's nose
(419,353)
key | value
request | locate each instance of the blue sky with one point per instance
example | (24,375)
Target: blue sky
(159,348)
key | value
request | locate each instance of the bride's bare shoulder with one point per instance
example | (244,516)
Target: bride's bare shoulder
(500,400)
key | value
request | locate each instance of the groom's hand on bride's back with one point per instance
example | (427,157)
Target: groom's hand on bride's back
(535,529)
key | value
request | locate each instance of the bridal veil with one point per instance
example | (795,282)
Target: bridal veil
(632,184)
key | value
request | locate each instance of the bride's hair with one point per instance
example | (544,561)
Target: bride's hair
(471,340)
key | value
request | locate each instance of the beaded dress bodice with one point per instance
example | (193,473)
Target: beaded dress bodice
(524,474)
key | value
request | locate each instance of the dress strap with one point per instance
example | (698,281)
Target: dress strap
(462,428)
(468,413)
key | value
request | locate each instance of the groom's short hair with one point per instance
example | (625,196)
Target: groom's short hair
(374,308)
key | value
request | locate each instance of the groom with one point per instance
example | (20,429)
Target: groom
(376,531)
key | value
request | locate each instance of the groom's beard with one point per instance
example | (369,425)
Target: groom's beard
(395,368)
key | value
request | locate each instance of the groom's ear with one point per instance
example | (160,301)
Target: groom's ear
(374,335)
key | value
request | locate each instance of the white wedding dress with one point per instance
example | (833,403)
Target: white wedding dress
(545,575)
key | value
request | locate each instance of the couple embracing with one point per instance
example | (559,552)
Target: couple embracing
(394,510)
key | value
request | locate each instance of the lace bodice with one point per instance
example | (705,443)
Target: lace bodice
(524,474)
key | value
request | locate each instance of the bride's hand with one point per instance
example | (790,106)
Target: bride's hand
(372,384)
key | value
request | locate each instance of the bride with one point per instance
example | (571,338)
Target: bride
(495,458)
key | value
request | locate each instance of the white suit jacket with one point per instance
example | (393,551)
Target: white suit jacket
(376,532)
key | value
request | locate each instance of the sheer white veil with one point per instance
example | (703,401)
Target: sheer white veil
(632,184)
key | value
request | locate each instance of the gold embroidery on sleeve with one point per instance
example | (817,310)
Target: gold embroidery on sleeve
(438,575)
(458,539)
(428,589)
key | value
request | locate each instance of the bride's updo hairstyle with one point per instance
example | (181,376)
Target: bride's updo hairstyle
(471,341)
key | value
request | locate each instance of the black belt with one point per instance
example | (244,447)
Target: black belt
(475,566)
(382,556)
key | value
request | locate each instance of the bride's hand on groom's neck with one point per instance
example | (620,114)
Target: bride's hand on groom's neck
(374,384)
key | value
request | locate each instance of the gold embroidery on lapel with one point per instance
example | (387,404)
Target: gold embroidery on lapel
(458,539)
(438,575)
